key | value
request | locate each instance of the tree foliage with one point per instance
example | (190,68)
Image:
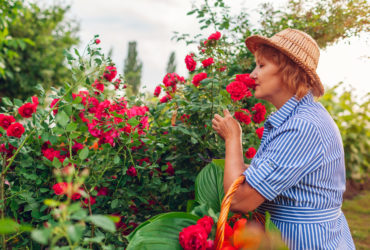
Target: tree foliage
(32,41)
(132,69)
(171,65)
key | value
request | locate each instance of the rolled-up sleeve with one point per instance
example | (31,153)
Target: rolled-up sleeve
(293,153)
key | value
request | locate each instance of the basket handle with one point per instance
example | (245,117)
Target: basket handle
(225,207)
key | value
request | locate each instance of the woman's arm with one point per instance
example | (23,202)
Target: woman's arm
(245,198)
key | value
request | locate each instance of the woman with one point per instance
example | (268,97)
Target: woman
(298,172)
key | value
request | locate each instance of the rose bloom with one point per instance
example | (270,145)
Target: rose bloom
(131,171)
(198,78)
(190,63)
(215,36)
(110,73)
(237,90)
(52,104)
(60,188)
(97,41)
(250,153)
(27,109)
(244,116)
(157,91)
(206,222)
(260,111)
(244,78)
(6,120)
(165,98)
(170,169)
(92,200)
(207,62)
(193,237)
(15,129)
(259,132)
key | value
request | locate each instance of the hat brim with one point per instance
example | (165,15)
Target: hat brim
(253,42)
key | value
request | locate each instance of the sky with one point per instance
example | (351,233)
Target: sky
(152,22)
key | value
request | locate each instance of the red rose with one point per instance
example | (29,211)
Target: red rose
(157,91)
(98,85)
(190,63)
(52,104)
(76,196)
(27,109)
(222,68)
(259,132)
(110,73)
(60,188)
(193,237)
(210,245)
(250,153)
(244,116)
(215,36)
(35,100)
(206,222)
(131,171)
(165,98)
(244,78)
(102,191)
(92,200)
(260,111)
(184,118)
(15,129)
(238,90)
(207,62)
(170,169)
(97,41)
(6,120)
(198,78)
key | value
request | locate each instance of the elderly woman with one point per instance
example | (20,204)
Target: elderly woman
(298,172)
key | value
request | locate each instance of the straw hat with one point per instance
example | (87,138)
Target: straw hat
(298,46)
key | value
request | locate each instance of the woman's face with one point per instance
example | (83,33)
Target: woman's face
(269,84)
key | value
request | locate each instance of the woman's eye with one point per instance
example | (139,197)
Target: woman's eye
(261,65)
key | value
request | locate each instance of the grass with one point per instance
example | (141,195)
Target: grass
(357,212)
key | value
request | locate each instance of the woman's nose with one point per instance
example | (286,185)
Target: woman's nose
(253,75)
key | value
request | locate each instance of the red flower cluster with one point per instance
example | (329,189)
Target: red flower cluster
(131,171)
(259,132)
(259,114)
(171,80)
(62,188)
(27,109)
(184,118)
(13,128)
(244,78)
(110,73)
(195,236)
(207,62)
(215,36)
(190,63)
(198,78)
(244,116)
(251,152)
(165,98)
(170,170)
(238,90)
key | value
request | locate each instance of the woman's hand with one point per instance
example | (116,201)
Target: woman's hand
(227,127)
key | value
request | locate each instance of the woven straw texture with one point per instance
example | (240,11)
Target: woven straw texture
(298,46)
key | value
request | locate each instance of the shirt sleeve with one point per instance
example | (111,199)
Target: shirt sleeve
(293,153)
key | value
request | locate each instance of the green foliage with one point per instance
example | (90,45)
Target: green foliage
(353,120)
(132,69)
(326,21)
(32,41)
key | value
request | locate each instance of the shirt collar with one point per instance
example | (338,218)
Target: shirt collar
(280,116)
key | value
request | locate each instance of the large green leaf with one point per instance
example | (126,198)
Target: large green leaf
(161,232)
(209,185)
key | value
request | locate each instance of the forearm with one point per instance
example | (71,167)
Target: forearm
(234,162)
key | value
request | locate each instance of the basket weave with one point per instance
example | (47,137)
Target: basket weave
(225,207)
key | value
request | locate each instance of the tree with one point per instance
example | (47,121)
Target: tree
(132,69)
(171,65)
(31,47)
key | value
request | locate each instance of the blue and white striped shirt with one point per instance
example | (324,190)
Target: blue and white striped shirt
(299,169)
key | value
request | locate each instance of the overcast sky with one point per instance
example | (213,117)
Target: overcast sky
(152,22)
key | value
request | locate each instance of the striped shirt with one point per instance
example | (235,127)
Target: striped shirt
(299,169)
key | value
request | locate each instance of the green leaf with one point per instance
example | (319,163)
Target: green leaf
(71,127)
(56,163)
(83,153)
(74,232)
(161,232)
(209,185)
(8,226)
(269,225)
(6,101)
(133,122)
(41,236)
(62,118)
(103,222)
